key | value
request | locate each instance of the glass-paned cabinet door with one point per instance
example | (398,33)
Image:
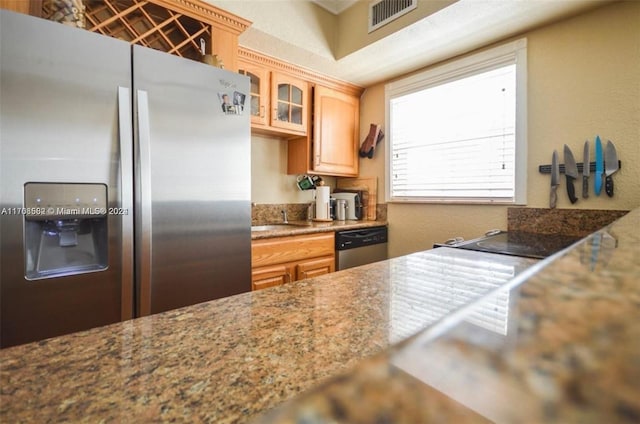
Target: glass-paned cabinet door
(289,103)
(259,80)
(284,103)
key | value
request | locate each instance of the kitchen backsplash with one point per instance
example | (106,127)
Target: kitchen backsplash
(272,212)
(572,222)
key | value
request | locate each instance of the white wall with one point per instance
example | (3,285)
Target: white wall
(269,180)
(583,80)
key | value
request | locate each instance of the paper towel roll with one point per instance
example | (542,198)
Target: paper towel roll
(322,202)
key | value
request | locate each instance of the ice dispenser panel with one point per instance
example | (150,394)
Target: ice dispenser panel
(65,229)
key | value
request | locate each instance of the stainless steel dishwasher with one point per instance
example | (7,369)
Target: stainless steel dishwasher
(359,247)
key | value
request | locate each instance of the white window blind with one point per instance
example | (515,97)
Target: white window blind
(457,134)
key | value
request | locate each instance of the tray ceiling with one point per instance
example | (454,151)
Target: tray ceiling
(313,39)
(335,6)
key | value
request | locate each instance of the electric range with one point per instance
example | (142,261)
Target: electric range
(515,243)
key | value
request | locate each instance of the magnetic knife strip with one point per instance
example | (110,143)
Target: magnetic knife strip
(546,169)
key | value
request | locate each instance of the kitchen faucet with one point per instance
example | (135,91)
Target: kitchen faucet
(284,217)
(311,209)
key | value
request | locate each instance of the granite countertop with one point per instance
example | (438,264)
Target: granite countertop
(563,346)
(231,359)
(308,227)
(444,335)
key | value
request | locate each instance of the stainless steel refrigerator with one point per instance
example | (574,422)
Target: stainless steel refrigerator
(125,181)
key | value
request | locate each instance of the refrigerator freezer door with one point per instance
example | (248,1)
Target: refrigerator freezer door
(59,121)
(193,182)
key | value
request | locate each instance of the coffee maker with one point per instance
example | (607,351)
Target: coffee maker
(354,205)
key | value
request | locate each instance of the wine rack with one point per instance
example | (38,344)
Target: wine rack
(179,27)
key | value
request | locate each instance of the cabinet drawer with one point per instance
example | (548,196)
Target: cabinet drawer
(280,250)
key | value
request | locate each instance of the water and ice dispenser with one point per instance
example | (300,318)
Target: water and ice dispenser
(65,229)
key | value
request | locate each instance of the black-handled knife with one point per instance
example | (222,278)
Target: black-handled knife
(610,167)
(585,170)
(571,172)
(555,180)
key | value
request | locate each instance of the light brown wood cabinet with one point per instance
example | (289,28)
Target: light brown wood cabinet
(319,116)
(269,276)
(27,7)
(259,81)
(280,260)
(315,267)
(289,103)
(332,147)
(279,101)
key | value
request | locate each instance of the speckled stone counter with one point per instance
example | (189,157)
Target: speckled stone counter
(444,335)
(563,346)
(232,359)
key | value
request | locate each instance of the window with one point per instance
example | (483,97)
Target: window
(457,133)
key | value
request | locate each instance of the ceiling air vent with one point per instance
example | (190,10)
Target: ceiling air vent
(381,12)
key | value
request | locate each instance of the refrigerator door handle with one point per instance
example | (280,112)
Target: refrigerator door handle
(143,205)
(126,199)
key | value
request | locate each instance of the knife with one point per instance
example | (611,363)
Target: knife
(571,172)
(611,166)
(555,180)
(586,170)
(597,184)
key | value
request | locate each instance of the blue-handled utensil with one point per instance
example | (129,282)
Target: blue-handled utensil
(597,183)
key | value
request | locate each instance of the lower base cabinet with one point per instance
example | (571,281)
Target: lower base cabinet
(281,260)
(269,276)
(315,267)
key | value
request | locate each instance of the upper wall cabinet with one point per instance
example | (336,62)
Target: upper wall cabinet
(177,27)
(279,101)
(332,147)
(289,103)
(335,132)
(259,80)
(317,114)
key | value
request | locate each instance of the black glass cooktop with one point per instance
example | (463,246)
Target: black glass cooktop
(528,245)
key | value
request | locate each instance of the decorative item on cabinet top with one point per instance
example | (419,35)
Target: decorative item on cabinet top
(209,59)
(67,12)
(167,25)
